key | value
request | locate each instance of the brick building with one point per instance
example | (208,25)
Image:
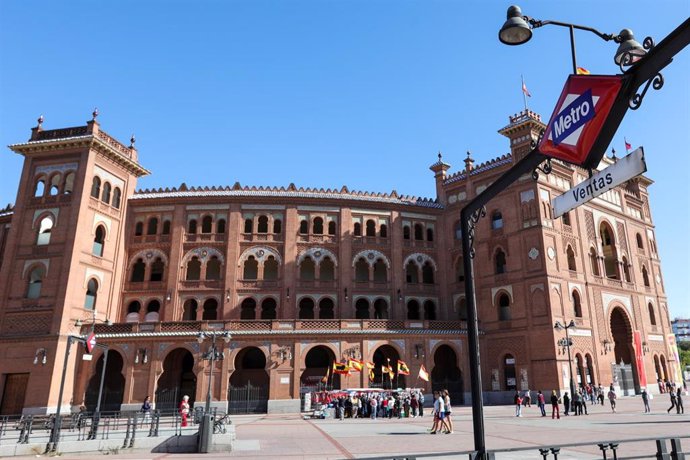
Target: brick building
(303,277)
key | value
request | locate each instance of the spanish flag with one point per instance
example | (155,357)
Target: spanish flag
(340,368)
(325,377)
(582,71)
(371,375)
(355,365)
(423,374)
(370,365)
(402,368)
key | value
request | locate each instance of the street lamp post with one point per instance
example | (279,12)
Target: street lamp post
(213,354)
(566,344)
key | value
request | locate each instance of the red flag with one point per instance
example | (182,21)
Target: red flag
(525,90)
(423,374)
(627,145)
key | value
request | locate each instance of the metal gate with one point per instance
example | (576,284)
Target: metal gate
(626,380)
(167,399)
(249,399)
(455,389)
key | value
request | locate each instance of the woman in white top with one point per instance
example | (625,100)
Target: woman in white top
(447,419)
(439,413)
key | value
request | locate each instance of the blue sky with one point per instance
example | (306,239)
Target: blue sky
(327,93)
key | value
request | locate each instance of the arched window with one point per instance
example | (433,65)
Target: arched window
(69,183)
(191,226)
(166,227)
(36,276)
(139,229)
(189,310)
(105,197)
(251,269)
(96,187)
(429,310)
(500,262)
(277,226)
(626,269)
(117,197)
(413,309)
(138,270)
(430,234)
(418,232)
(220,226)
(406,232)
(383,231)
(152,227)
(153,311)
(91,294)
(157,270)
(652,317)
(380,309)
(268,308)
(361,270)
(263,225)
(608,246)
(566,219)
(411,273)
(326,308)
(210,310)
(577,306)
(509,372)
(248,225)
(331,227)
(207,224)
(213,268)
(371,228)
(594,262)
(306,308)
(193,269)
(98,242)
(317,226)
(638,237)
(304,227)
(44,230)
(54,185)
(307,269)
(645,276)
(327,269)
(248,309)
(427,273)
(579,370)
(457,230)
(571,259)
(271,268)
(134,307)
(362,309)
(358,229)
(504,307)
(496,220)
(380,271)
(40,188)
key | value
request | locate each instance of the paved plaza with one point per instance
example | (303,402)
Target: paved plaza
(289,436)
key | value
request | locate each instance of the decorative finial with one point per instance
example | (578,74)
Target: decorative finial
(132,141)
(40,121)
(95,113)
(439,155)
(613,154)
(469,155)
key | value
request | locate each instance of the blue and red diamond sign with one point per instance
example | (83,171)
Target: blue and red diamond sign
(580,114)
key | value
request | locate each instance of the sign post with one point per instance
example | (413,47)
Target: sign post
(624,169)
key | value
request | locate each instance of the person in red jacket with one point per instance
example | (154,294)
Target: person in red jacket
(184,410)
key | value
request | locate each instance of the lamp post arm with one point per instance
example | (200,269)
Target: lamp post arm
(536,23)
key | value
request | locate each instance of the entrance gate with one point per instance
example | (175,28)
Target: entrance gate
(248,399)
(624,374)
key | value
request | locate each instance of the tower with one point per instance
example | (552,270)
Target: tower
(63,256)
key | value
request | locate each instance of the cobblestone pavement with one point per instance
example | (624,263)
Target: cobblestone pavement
(290,437)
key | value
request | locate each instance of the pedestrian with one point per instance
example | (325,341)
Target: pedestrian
(554,405)
(421,403)
(184,410)
(541,403)
(575,403)
(449,420)
(674,401)
(527,399)
(645,400)
(372,404)
(679,401)
(414,404)
(566,403)
(341,408)
(583,402)
(612,398)
(146,410)
(517,400)
(439,414)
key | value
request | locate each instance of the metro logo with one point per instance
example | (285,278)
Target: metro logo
(580,111)
(576,122)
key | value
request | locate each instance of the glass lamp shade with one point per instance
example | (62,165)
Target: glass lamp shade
(628,47)
(515,30)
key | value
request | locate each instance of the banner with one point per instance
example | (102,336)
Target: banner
(675,371)
(639,359)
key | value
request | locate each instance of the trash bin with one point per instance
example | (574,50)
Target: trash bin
(198,415)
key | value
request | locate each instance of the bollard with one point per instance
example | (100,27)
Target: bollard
(613,449)
(555,451)
(661,451)
(603,448)
(544,453)
(676,450)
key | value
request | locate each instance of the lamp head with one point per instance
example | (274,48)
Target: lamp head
(558,326)
(78,323)
(629,51)
(200,337)
(572,323)
(226,336)
(108,322)
(515,30)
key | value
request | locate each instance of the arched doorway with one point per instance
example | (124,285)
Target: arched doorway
(113,384)
(623,371)
(446,375)
(316,367)
(176,381)
(386,355)
(248,391)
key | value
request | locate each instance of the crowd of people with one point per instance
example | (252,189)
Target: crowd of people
(379,404)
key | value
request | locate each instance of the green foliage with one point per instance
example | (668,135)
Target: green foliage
(684,352)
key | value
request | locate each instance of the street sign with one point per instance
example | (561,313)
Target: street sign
(90,342)
(624,169)
(578,118)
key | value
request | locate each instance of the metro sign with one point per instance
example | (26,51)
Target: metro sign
(576,122)
(90,342)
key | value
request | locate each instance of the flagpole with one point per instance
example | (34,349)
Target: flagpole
(524,96)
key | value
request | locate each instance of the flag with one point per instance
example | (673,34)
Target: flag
(355,365)
(371,375)
(370,365)
(525,90)
(627,145)
(423,374)
(325,377)
(341,368)
(582,71)
(402,368)
(385,369)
